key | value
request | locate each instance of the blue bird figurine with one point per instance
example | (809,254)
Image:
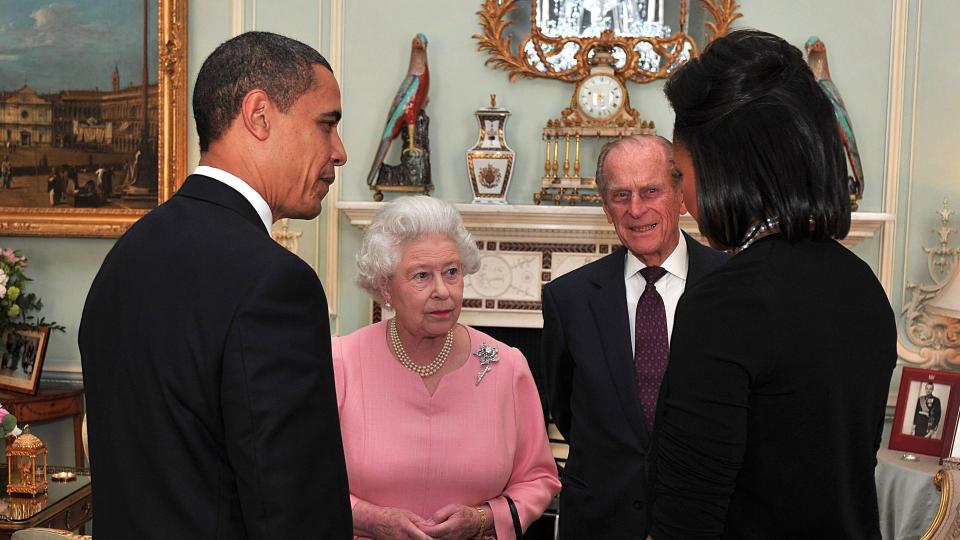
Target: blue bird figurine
(817,60)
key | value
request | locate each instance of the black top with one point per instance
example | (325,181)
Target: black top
(772,407)
(209,382)
(588,360)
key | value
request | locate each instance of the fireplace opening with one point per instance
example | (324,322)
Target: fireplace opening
(528,341)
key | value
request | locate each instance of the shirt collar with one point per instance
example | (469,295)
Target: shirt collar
(677,263)
(250,194)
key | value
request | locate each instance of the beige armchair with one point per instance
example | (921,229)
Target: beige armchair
(946,525)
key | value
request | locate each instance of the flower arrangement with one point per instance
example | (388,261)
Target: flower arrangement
(8,424)
(15,303)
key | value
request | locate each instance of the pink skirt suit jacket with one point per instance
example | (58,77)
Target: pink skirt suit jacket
(468,443)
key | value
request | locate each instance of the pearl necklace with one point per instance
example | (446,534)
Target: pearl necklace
(405,361)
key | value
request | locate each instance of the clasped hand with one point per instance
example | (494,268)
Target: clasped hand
(452,522)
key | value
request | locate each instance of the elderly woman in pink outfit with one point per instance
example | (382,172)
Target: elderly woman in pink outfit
(441,423)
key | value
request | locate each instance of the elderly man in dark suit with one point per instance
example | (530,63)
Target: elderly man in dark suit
(606,329)
(205,344)
(926,416)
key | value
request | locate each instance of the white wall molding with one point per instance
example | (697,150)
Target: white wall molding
(891,185)
(315,262)
(236,18)
(906,350)
(522,222)
(331,272)
(908,212)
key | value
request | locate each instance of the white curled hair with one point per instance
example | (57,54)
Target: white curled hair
(404,220)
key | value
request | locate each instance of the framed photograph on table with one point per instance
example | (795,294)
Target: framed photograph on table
(93,113)
(926,418)
(23,352)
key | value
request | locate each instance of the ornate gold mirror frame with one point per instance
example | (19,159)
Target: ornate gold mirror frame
(494,18)
(171,151)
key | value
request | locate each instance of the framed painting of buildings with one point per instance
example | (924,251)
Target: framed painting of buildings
(93,113)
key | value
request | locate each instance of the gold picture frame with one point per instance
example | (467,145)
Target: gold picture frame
(171,146)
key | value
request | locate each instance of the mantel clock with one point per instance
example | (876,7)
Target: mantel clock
(599,109)
(600,99)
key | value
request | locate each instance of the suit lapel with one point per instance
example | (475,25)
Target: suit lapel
(608,306)
(208,189)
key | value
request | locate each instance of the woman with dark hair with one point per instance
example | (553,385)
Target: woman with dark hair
(772,406)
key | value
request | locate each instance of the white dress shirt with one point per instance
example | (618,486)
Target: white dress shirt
(670,286)
(243,188)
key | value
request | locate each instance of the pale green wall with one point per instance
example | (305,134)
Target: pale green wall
(460,83)
(930,169)
(377,36)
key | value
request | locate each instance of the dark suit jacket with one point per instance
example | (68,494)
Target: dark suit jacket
(771,410)
(209,383)
(926,415)
(588,360)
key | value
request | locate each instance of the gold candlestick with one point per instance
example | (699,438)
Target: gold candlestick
(556,157)
(576,160)
(546,160)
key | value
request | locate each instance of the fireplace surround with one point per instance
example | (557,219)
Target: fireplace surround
(523,247)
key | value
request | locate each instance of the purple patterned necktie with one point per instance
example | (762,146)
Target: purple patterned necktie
(652,347)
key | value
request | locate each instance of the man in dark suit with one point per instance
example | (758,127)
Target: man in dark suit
(206,345)
(926,416)
(603,356)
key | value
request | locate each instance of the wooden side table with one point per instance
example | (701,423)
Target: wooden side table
(52,402)
(65,505)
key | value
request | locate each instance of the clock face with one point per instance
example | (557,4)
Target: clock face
(600,97)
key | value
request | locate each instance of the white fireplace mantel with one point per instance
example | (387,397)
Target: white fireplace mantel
(569,223)
(524,246)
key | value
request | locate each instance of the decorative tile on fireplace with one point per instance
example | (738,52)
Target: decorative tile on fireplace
(566,262)
(508,276)
(506,291)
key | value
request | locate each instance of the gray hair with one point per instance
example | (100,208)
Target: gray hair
(636,140)
(404,220)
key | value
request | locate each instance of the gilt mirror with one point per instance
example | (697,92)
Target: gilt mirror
(648,38)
